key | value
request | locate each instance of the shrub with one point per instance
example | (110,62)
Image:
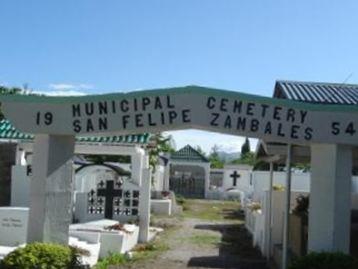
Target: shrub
(278,187)
(112,260)
(325,260)
(179,199)
(44,256)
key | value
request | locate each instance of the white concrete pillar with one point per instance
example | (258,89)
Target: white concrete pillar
(286,220)
(330,198)
(207,179)
(51,189)
(166,177)
(144,206)
(268,227)
(137,163)
(20,156)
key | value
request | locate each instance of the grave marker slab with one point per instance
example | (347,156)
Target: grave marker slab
(13,226)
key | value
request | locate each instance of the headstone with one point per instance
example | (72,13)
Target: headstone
(13,225)
(110,196)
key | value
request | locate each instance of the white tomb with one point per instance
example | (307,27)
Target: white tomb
(111,241)
(13,228)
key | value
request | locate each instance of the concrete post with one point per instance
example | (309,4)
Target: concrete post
(51,189)
(268,230)
(207,179)
(166,177)
(144,206)
(330,199)
(137,163)
(286,220)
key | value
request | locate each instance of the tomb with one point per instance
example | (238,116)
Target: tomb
(13,228)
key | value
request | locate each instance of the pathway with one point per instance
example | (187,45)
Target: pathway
(204,243)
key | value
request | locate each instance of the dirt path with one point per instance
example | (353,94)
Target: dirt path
(200,243)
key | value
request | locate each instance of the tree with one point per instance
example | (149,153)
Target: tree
(6,90)
(159,144)
(245,148)
(214,158)
(200,150)
(248,158)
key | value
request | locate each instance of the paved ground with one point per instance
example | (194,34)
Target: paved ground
(203,243)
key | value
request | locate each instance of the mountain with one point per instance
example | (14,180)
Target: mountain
(229,156)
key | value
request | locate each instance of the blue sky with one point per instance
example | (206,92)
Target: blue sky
(68,47)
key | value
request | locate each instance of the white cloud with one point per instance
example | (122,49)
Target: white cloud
(206,140)
(70,86)
(61,93)
(66,89)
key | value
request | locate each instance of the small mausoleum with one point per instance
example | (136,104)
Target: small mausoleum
(189,173)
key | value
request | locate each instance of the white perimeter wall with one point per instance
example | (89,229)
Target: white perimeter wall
(261,181)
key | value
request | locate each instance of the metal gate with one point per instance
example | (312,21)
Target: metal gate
(188,186)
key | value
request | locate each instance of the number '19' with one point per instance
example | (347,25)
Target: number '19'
(46,118)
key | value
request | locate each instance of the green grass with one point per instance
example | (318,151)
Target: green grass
(210,210)
(204,240)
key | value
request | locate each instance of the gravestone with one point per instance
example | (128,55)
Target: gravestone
(110,196)
(13,226)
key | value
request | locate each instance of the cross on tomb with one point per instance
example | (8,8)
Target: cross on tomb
(109,193)
(127,211)
(117,211)
(99,210)
(235,176)
(91,210)
(101,184)
(100,201)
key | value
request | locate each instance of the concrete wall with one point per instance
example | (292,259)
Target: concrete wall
(7,159)
(260,179)
(242,183)
(20,186)
(257,222)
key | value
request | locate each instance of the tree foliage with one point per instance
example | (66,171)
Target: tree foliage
(200,150)
(159,144)
(248,158)
(6,90)
(214,158)
(245,148)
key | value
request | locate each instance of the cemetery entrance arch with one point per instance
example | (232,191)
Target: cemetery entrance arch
(331,130)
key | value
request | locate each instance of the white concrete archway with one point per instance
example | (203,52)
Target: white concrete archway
(55,121)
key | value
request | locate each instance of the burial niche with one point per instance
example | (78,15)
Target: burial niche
(111,196)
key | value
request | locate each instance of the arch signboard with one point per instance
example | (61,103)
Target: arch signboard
(188,107)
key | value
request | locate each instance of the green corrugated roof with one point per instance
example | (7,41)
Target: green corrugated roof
(188,154)
(8,131)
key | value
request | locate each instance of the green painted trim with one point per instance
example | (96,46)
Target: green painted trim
(178,91)
(8,131)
